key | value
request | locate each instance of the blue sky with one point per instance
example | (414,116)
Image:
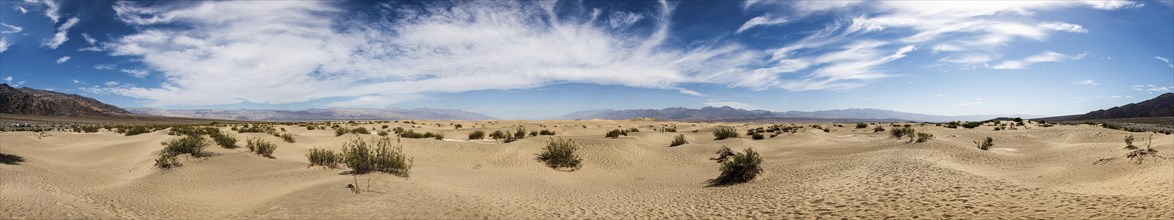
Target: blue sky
(537,59)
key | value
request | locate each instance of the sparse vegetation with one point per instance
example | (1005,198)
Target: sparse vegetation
(362,158)
(339,131)
(1139,154)
(742,168)
(757,136)
(287,137)
(723,154)
(360,130)
(324,158)
(193,145)
(861,125)
(136,130)
(616,133)
(985,144)
(878,128)
(1129,142)
(901,132)
(497,135)
(560,155)
(678,140)
(477,135)
(224,140)
(261,147)
(723,132)
(923,137)
(545,132)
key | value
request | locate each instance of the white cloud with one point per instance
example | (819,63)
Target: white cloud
(967,59)
(740,105)
(140,73)
(111,83)
(9,29)
(1061,26)
(765,20)
(89,40)
(22,10)
(974,102)
(62,34)
(51,9)
(1164,60)
(75,81)
(8,79)
(622,19)
(105,66)
(1086,82)
(1152,88)
(4,44)
(689,92)
(63,59)
(1043,57)
(1112,4)
(463,47)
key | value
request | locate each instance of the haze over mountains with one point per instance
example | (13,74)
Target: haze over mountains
(28,101)
(730,113)
(317,114)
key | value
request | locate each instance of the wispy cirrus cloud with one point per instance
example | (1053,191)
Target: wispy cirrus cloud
(1152,88)
(1043,57)
(63,59)
(62,34)
(1086,82)
(765,20)
(1164,60)
(445,48)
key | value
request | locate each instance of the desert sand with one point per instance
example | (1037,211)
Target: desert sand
(1066,172)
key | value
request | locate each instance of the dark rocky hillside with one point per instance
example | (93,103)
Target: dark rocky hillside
(27,101)
(1161,106)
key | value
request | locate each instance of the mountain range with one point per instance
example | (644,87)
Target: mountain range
(730,113)
(27,101)
(316,114)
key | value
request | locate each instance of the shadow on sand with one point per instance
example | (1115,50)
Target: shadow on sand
(10,159)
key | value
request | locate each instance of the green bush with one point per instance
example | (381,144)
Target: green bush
(743,167)
(560,155)
(167,161)
(193,145)
(325,158)
(616,133)
(261,147)
(362,158)
(724,132)
(901,132)
(340,131)
(923,137)
(382,133)
(287,137)
(520,133)
(497,135)
(545,132)
(360,130)
(723,154)
(678,140)
(1129,142)
(985,144)
(757,136)
(861,125)
(224,140)
(878,128)
(136,130)
(477,135)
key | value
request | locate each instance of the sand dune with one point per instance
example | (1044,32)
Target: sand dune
(1057,172)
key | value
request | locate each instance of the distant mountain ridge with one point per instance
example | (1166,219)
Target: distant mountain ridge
(28,101)
(317,114)
(726,113)
(1161,106)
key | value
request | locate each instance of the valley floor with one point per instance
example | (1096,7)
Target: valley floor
(1067,172)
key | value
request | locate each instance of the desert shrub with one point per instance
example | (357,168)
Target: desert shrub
(497,135)
(545,132)
(384,127)
(724,132)
(878,128)
(287,137)
(437,135)
(861,125)
(382,133)
(923,137)
(477,135)
(723,154)
(985,144)
(678,141)
(193,145)
(757,136)
(382,157)
(167,161)
(634,130)
(827,130)
(520,132)
(901,132)
(509,138)
(560,155)
(971,124)
(136,130)
(324,158)
(1129,142)
(533,133)
(615,133)
(224,140)
(360,130)
(1139,154)
(741,168)
(670,129)
(339,131)
(261,147)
